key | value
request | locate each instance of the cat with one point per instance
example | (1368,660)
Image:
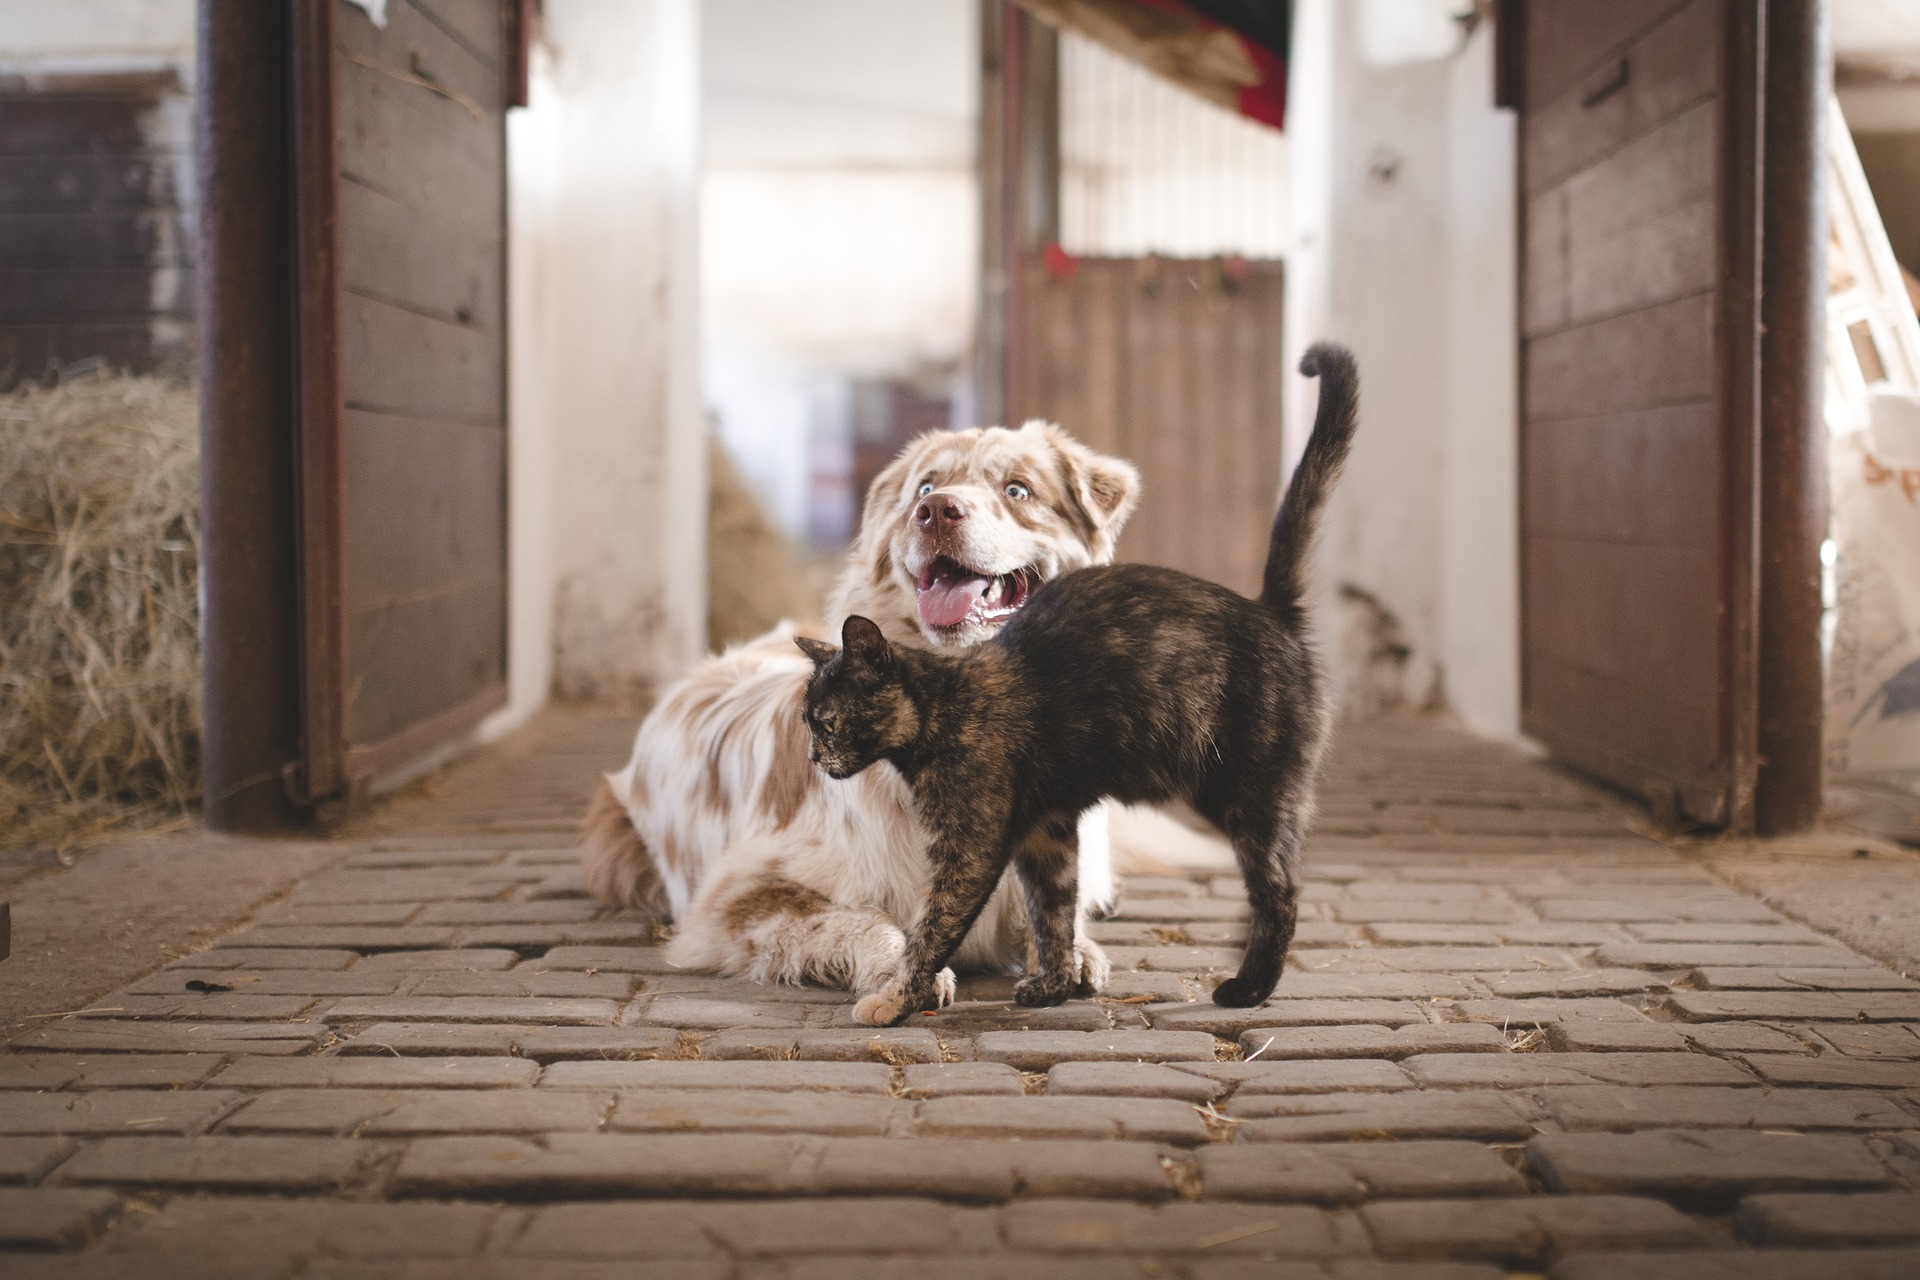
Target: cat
(1127,682)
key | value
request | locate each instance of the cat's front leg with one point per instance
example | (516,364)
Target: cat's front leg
(965,875)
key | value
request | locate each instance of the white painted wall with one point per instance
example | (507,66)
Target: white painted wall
(1403,248)
(839,219)
(97,35)
(607,480)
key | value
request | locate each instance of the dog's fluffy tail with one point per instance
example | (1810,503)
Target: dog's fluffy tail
(619,870)
(1319,465)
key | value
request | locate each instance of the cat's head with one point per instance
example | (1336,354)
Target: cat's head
(857,704)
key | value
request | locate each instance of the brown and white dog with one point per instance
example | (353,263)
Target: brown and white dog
(768,867)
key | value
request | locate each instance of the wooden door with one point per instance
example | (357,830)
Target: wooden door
(1175,365)
(1639,159)
(402,162)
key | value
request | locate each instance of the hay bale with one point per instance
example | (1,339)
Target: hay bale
(755,575)
(99,611)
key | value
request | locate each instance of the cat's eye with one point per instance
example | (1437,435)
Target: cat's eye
(1017,491)
(925,488)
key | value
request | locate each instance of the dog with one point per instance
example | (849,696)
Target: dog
(719,823)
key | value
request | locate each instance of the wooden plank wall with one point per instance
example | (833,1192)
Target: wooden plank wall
(1625,557)
(96,254)
(1175,365)
(422,229)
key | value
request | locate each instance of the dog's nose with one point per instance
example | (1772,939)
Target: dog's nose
(939,511)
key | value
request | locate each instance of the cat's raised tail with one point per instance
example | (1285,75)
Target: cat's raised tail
(1319,465)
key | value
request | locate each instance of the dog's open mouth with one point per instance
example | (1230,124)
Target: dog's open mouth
(951,594)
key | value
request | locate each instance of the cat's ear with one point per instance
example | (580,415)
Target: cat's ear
(864,643)
(819,650)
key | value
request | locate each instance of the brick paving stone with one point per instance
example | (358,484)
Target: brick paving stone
(1834,1071)
(1178,909)
(521,983)
(39,1071)
(1541,1012)
(1562,933)
(1434,912)
(461,960)
(1702,1166)
(139,1071)
(554,911)
(609,959)
(1147,1119)
(1741,1037)
(1663,1107)
(1345,1172)
(1714,978)
(1523,1070)
(51,1217)
(1860,1264)
(394,886)
(1703,931)
(1131,1080)
(959,1079)
(1038,1050)
(25,1160)
(1162,887)
(1435,935)
(1652,905)
(778,1165)
(222,956)
(894,1225)
(1613,1037)
(841,1077)
(754,1111)
(1446,960)
(1684,955)
(1577,982)
(453,857)
(1319,1075)
(1209,1017)
(883,1044)
(1843,1221)
(1808,1006)
(190,1007)
(714,1015)
(213,1163)
(303,1228)
(1176,959)
(473,1009)
(528,937)
(624,1231)
(543,1044)
(970,1018)
(1141,982)
(1381,986)
(1178,1230)
(1518,1232)
(1901,1041)
(379,1073)
(272,982)
(1373,1042)
(387,913)
(112,1111)
(348,937)
(377,1112)
(1490,1117)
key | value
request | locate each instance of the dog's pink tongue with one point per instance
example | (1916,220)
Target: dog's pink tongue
(948,601)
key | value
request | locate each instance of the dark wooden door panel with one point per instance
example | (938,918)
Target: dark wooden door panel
(1635,507)
(1174,365)
(419,180)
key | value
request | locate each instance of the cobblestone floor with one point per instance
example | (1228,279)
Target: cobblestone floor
(1515,1038)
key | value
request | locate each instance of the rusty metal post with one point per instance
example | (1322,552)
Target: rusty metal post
(1793,434)
(248,625)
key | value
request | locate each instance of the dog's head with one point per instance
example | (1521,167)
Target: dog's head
(962,527)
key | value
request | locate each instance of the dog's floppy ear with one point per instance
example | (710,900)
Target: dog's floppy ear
(819,650)
(864,643)
(1104,490)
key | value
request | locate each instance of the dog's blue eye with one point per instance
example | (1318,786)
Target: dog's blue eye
(926,489)
(1017,491)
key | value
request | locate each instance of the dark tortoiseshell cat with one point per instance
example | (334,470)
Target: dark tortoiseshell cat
(1126,682)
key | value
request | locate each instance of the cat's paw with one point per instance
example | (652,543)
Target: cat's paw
(1091,967)
(883,1008)
(1042,990)
(1240,993)
(945,988)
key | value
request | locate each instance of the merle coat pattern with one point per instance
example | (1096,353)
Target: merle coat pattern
(1128,682)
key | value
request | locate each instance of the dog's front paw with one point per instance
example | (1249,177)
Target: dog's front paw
(945,988)
(883,1008)
(1091,967)
(1042,990)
